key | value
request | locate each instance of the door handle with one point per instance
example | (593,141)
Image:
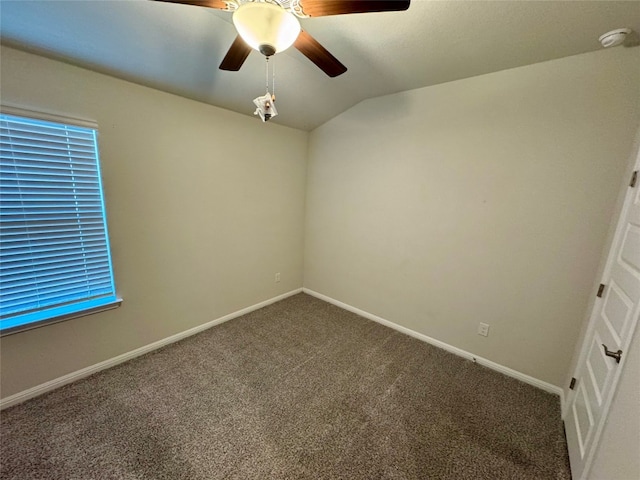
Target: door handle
(617,355)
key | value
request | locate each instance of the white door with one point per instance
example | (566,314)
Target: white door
(612,323)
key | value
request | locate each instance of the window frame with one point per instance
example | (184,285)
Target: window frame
(60,312)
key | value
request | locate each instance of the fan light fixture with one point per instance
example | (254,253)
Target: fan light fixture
(266,27)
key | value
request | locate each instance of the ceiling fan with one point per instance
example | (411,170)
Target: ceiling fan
(271,26)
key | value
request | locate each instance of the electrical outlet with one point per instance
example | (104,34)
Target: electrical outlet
(483,329)
(277,277)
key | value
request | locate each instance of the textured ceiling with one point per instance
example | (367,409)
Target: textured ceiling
(178,48)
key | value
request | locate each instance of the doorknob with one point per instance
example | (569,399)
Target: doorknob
(617,355)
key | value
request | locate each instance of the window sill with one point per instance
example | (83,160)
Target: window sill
(61,318)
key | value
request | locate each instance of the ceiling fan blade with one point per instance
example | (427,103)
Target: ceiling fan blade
(218,4)
(235,57)
(319,55)
(322,8)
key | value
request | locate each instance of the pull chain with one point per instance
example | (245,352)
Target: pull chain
(273,79)
(266,73)
(273,95)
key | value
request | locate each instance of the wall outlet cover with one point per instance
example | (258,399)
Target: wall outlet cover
(483,329)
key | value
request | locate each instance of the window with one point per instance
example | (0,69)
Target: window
(54,247)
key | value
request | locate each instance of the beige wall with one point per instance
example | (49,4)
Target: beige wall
(481,200)
(203,205)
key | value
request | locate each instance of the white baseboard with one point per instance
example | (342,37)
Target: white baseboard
(85,372)
(547,387)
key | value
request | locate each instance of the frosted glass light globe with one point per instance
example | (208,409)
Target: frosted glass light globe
(266,27)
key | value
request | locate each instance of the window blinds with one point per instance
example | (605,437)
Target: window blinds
(54,249)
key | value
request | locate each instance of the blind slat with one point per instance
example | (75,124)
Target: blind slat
(56,285)
(58,275)
(44,174)
(49,239)
(46,166)
(39,126)
(47,268)
(37,230)
(59,184)
(23,136)
(33,137)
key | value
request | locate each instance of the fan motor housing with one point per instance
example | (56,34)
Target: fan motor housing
(267,50)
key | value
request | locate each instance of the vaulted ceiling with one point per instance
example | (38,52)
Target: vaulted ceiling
(177,48)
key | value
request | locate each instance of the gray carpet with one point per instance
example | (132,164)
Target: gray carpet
(297,390)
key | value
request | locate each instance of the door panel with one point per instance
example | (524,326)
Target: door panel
(583,418)
(630,256)
(617,311)
(599,369)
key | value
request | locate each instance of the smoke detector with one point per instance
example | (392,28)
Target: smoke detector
(614,37)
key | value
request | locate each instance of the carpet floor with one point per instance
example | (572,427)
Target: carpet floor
(300,389)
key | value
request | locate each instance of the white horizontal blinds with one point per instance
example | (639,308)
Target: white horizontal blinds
(53,242)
